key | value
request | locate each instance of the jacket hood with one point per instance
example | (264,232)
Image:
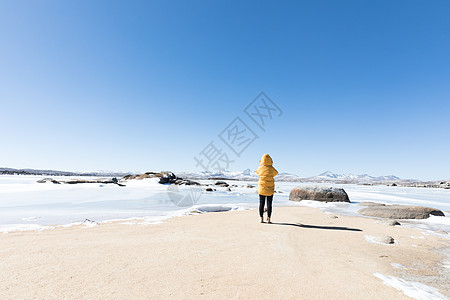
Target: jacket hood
(266,160)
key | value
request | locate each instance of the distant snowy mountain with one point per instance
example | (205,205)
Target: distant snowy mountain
(323,177)
(235,175)
(328,175)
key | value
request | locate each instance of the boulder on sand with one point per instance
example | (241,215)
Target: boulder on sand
(319,193)
(400,212)
(384,239)
(368,203)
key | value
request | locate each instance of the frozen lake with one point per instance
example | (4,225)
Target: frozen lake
(27,205)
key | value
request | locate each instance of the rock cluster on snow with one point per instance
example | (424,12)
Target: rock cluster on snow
(78,181)
(45,180)
(165,177)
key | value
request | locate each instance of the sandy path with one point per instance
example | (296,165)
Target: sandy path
(215,256)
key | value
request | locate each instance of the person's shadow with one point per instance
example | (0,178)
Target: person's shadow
(317,226)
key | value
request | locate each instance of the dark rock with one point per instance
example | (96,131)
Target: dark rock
(390,222)
(90,222)
(185,182)
(166,177)
(221,183)
(190,182)
(400,212)
(210,189)
(44,180)
(77,181)
(318,193)
(228,190)
(250,186)
(100,180)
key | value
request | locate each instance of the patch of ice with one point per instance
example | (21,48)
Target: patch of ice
(412,289)
(23,227)
(88,223)
(312,203)
(417,237)
(213,208)
(432,225)
(32,218)
(399,266)
(446,264)
(128,223)
(152,222)
(22,197)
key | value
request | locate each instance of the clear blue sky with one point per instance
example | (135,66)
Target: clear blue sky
(127,85)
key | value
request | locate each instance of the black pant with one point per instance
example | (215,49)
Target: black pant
(262,200)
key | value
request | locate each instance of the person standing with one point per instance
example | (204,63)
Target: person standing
(266,185)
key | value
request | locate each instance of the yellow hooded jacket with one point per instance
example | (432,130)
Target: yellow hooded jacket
(266,184)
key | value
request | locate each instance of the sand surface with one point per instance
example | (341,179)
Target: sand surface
(305,254)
